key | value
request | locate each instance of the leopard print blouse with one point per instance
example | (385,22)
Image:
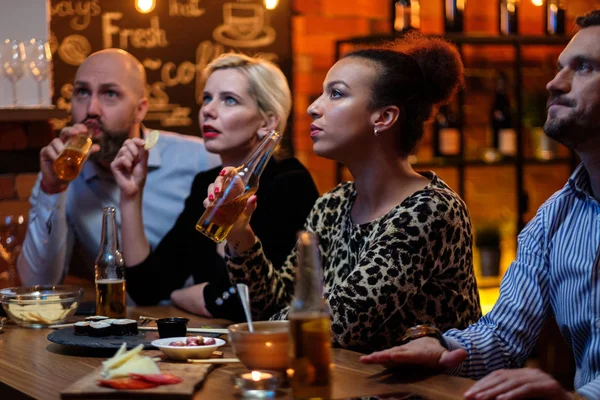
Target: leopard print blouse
(411,266)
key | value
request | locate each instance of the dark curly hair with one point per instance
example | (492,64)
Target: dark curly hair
(592,18)
(416,73)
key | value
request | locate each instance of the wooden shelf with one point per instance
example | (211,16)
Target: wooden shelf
(30,114)
(470,38)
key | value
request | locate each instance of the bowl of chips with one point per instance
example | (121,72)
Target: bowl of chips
(40,306)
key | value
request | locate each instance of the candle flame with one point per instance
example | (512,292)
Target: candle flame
(255,376)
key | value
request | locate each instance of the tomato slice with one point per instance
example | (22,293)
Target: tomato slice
(160,379)
(127,383)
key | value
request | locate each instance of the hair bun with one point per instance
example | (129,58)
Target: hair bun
(440,62)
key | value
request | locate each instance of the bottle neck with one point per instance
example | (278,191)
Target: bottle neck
(309,277)
(251,170)
(109,240)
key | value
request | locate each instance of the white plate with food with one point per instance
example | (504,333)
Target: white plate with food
(184,348)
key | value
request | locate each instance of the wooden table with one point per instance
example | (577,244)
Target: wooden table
(33,367)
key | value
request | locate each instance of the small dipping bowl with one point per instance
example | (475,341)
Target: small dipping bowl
(267,348)
(172,327)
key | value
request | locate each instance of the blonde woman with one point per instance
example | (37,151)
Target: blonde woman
(244,98)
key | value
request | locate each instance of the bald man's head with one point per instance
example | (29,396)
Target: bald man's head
(121,66)
(109,98)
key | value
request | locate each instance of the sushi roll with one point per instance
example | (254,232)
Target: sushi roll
(121,327)
(99,329)
(96,318)
(81,328)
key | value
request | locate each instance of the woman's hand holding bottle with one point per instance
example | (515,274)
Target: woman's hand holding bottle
(241,236)
(130,168)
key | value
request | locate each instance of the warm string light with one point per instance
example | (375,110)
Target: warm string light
(145,6)
(537,3)
(271,4)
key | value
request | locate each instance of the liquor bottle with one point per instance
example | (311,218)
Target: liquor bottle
(508,17)
(556,11)
(310,325)
(110,270)
(219,217)
(504,136)
(454,15)
(446,133)
(406,15)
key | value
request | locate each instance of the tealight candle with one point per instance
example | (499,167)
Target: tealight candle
(256,384)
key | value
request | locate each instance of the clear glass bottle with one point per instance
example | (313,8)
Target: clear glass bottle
(110,270)
(217,220)
(406,15)
(310,326)
(508,23)
(556,11)
(454,15)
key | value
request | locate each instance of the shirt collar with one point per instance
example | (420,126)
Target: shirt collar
(579,181)
(91,170)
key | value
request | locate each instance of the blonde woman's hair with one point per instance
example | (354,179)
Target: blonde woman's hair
(267,83)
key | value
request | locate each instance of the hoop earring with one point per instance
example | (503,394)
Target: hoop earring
(375,131)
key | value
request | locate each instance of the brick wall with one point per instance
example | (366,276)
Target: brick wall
(19,147)
(317,24)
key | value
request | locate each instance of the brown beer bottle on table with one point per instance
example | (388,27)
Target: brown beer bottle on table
(110,270)
(219,217)
(310,326)
(69,162)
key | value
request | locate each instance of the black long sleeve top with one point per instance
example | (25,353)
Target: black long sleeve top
(286,195)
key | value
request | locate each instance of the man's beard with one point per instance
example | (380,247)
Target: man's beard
(110,144)
(576,130)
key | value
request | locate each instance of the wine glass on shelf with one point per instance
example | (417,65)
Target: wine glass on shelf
(13,63)
(39,59)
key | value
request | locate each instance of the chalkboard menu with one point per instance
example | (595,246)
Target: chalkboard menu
(174,42)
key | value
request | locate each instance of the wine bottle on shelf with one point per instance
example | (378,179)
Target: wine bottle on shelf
(504,136)
(446,133)
(508,17)
(454,15)
(406,15)
(556,11)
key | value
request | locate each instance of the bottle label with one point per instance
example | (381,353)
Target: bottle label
(449,141)
(507,142)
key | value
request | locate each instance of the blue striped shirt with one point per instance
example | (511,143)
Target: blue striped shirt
(556,271)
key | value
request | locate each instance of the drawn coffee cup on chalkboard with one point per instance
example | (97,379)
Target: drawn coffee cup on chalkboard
(244,26)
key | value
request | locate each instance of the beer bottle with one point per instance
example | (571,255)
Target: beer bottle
(110,270)
(504,136)
(217,220)
(69,162)
(310,326)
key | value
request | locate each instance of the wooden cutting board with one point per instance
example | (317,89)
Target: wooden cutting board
(193,376)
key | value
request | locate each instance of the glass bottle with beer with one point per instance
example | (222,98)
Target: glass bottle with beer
(110,270)
(241,183)
(70,160)
(310,326)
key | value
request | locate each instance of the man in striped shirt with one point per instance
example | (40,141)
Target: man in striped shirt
(557,270)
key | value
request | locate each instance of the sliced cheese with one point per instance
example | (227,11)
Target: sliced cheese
(121,358)
(138,364)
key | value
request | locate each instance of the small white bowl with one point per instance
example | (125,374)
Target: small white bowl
(182,353)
